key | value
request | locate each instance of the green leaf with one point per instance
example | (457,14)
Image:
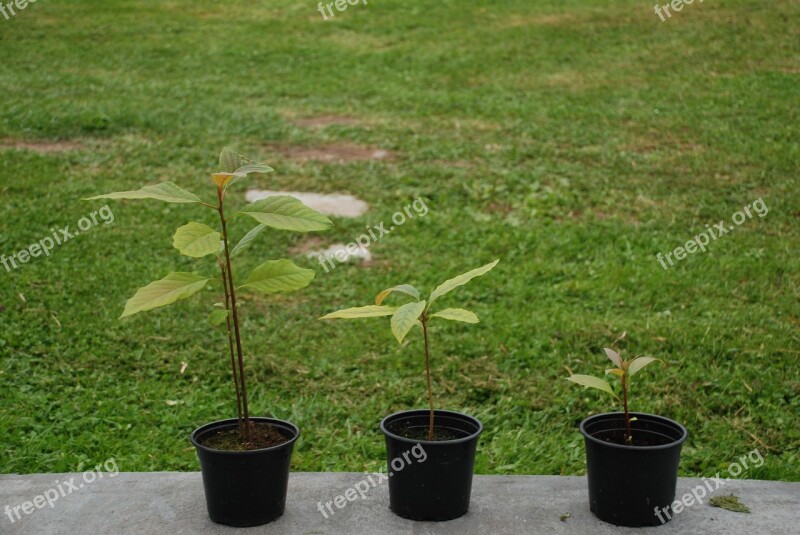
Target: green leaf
(461,280)
(370,311)
(592,382)
(640,362)
(286,213)
(164,292)
(405,317)
(165,191)
(403,288)
(278,276)
(217,317)
(232,162)
(196,240)
(614,357)
(245,242)
(457,314)
(254,167)
(229,160)
(243,171)
(615,371)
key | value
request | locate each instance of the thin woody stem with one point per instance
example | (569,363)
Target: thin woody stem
(231,347)
(235,314)
(628,437)
(424,320)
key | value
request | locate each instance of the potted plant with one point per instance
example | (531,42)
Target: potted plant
(632,458)
(438,489)
(245,460)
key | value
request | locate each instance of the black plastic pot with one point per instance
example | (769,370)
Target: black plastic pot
(627,484)
(245,488)
(436,486)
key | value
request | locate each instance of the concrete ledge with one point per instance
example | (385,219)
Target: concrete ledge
(172,503)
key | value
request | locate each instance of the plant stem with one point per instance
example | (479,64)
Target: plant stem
(235,313)
(628,437)
(230,346)
(424,319)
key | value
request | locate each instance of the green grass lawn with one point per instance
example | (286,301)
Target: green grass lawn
(574,140)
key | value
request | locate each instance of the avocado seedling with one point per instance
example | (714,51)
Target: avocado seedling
(197,240)
(624,370)
(417,313)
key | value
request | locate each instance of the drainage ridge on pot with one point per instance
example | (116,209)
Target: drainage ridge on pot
(627,482)
(439,486)
(245,488)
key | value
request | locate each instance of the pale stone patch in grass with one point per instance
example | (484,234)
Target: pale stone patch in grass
(314,247)
(342,253)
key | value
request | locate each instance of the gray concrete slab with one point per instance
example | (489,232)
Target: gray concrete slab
(171,503)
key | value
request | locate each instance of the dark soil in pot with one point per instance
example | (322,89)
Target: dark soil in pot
(430,480)
(262,435)
(629,483)
(245,488)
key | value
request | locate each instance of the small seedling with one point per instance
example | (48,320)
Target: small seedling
(417,312)
(625,369)
(197,240)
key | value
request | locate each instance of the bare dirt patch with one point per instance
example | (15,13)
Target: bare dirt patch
(306,246)
(40,147)
(335,153)
(321,121)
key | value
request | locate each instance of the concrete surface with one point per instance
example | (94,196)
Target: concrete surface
(172,503)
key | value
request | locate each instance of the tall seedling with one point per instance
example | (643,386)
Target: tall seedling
(198,240)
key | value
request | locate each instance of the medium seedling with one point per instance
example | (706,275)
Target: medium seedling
(417,312)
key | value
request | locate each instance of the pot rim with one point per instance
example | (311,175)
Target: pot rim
(436,412)
(227,423)
(639,415)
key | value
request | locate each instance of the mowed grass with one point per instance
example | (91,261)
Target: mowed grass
(573,140)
